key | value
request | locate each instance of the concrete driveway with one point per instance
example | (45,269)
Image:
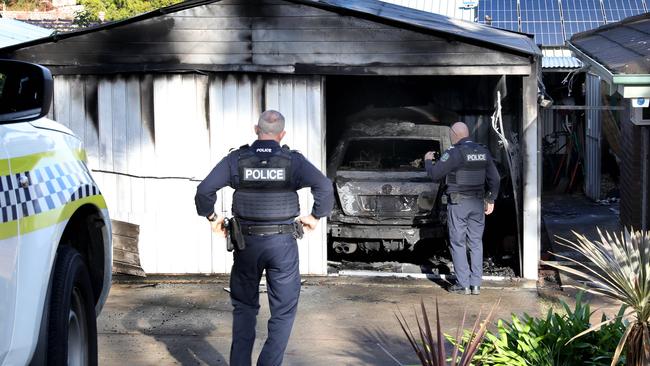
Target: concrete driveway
(341,321)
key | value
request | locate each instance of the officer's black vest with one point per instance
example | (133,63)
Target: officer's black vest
(263,187)
(471,175)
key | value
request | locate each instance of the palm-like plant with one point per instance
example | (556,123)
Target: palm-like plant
(432,352)
(620,270)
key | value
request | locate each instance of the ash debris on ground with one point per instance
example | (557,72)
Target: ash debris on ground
(436,265)
(549,278)
(493,268)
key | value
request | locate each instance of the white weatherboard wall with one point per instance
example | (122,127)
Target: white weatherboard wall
(151,139)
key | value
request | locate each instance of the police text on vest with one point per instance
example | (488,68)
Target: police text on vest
(264,174)
(264,150)
(476,157)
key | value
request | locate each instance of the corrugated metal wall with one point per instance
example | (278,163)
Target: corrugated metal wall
(450,8)
(593,135)
(552,127)
(150,139)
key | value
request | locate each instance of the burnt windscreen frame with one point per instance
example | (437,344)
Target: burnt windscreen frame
(387,154)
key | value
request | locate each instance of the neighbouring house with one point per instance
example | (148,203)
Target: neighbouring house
(14,32)
(58,16)
(619,55)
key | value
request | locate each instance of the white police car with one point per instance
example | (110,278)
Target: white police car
(55,233)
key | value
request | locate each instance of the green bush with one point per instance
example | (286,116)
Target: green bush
(550,341)
(617,267)
(117,9)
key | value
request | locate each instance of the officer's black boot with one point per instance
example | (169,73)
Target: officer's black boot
(476,290)
(458,289)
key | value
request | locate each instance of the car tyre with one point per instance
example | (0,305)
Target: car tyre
(72,330)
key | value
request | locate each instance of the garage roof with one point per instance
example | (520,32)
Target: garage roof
(458,9)
(369,9)
(618,49)
(433,22)
(559,59)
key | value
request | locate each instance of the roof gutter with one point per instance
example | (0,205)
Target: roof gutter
(628,85)
(594,66)
(636,79)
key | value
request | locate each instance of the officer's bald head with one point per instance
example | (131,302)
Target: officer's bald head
(458,131)
(271,123)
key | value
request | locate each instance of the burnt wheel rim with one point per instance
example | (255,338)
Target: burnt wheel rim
(77,333)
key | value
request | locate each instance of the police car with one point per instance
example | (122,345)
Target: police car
(55,232)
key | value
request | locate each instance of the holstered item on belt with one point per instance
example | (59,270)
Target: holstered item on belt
(298,230)
(454,198)
(234,235)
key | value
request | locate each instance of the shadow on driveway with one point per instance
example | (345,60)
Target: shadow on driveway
(179,323)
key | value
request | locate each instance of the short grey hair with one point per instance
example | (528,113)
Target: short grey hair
(271,122)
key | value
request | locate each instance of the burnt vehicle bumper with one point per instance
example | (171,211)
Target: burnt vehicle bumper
(346,238)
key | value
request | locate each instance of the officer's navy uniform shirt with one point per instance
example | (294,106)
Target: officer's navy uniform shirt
(452,160)
(304,174)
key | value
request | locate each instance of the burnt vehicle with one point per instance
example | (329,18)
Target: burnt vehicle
(384,198)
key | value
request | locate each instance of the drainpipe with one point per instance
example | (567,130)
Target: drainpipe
(644,177)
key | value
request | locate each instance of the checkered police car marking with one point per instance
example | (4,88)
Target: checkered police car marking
(49,187)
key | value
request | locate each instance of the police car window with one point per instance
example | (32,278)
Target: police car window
(387,154)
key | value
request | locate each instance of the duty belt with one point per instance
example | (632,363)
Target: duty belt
(260,230)
(456,197)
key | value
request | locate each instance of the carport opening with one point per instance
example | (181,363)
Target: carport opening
(387,209)
(564,138)
(570,163)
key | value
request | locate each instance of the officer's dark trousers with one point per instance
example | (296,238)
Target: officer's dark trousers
(278,255)
(466,221)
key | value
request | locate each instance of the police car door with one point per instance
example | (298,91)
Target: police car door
(9,240)
(26,148)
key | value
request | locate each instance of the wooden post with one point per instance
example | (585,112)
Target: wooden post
(532,165)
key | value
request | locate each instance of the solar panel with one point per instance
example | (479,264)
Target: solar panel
(542,18)
(581,15)
(616,10)
(499,13)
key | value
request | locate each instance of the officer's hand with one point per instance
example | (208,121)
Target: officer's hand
(309,222)
(218,228)
(489,207)
(429,155)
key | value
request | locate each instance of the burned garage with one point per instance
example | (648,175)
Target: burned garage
(367,88)
(386,202)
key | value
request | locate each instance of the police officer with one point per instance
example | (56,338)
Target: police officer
(265,177)
(467,166)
